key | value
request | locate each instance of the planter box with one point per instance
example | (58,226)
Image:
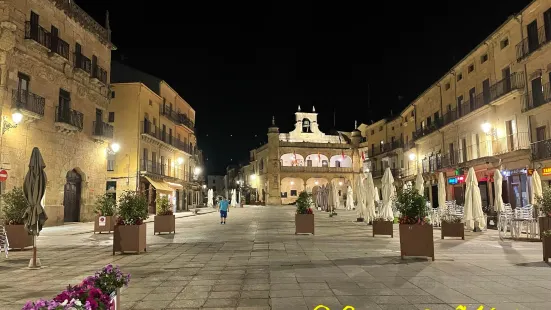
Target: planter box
(453,230)
(416,240)
(164,223)
(18,237)
(546,242)
(108,227)
(545,224)
(385,228)
(304,224)
(129,238)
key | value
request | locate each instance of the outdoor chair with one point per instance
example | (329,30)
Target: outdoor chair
(4,243)
(524,221)
(505,221)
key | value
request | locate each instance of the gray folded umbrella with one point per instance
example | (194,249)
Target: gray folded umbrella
(34,188)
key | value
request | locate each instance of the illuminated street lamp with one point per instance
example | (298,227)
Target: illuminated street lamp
(180,160)
(16,116)
(115,147)
(411,156)
(486,127)
(197,170)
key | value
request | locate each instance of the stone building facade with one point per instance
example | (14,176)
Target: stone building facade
(491,111)
(54,71)
(303,159)
(155,128)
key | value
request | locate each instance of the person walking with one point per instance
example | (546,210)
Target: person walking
(223,206)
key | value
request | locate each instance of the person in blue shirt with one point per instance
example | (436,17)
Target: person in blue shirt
(223,206)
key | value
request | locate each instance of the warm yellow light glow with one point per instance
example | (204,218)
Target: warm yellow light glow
(292,182)
(180,160)
(316,182)
(204,186)
(253,176)
(340,183)
(411,156)
(197,170)
(486,127)
(17,117)
(115,147)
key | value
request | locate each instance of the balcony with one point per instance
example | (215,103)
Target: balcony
(164,138)
(483,150)
(386,147)
(315,169)
(83,63)
(378,173)
(99,74)
(541,149)
(528,46)
(30,105)
(59,49)
(171,114)
(68,120)
(102,131)
(39,35)
(161,169)
(534,99)
(430,128)
(495,92)
(409,145)
(186,121)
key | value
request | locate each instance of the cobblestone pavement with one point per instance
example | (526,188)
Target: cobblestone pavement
(257,262)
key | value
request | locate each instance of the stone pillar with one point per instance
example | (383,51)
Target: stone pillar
(274,188)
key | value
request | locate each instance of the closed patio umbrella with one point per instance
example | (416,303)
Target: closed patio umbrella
(369,198)
(536,187)
(441,191)
(498,188)
(473,202)
(377,198)
(34,188)
(388,188)
(349,198)
(360,199)
(419,184)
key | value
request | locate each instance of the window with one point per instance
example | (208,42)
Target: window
(393,128)
(283,194)
(111,117)
(483,58)
(402,163)
(150,102)
(436,116)
(111,162)
(470,68)
(113,94)
(22,87)
(429,121)
(504,43)
(406,119)
(412,113)
(372,131)
(449,107)
(447,86)
(306,126)
(380,128)
(337,164)
(423,125)
(459,77)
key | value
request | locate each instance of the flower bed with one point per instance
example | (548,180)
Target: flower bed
(97,292)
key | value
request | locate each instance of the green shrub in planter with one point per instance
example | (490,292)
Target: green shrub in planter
(132,208)
(106,205)
(412,207)
(164,207)
(14,206)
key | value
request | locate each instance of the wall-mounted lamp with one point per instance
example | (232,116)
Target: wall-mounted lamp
(411,156)
(16,118)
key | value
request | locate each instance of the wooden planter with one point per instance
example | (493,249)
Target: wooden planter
(108,227)
(546,242)
(164,223)
(129,238)
(304,224)
(453,230)
(18,237)
(545,225)
(416,240)
(385,228)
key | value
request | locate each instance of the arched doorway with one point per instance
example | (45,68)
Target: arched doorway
(71,196)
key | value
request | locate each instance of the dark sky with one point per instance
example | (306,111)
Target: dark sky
(240,62)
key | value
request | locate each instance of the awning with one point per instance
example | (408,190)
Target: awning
(160,185)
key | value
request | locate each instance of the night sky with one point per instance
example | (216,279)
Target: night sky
(238,62)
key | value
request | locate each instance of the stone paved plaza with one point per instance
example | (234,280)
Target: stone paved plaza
(257,262)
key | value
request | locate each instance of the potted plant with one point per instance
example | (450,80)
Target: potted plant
(13,209)
(304,218)
(416,235)
(106,208)
(544,203)
(164,221)
(452,226)
(546,242)
(130,229)
(383,227)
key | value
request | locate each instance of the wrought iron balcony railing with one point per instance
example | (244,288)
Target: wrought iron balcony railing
(38,34)
(69,116)
(99,73)
(530,44)
(102,129)
(536,98)
(60,47)
(541,149)
(149,129)
(82,62)
(28,101)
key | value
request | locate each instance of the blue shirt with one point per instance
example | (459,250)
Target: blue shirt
(224,205)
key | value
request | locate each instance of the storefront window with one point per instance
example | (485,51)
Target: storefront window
(520,192)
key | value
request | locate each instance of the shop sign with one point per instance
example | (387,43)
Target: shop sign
(507,173)
(546,171)
(530,172)
(456,180)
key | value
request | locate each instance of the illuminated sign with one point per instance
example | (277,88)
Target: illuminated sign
(546,171)
(456,180)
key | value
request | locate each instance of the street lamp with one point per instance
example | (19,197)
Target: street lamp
(253,177)
(204,186)
(180,160)
(115,147)
(411,156)
(197,170)
(292,182)
(486,127)
(16,116)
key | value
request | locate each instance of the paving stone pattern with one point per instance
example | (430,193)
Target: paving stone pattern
(257,262)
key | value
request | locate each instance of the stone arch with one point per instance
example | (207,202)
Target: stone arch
(340,161)
(306,125)
(317,160)
(312,184)
(291,159)
(290,188)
